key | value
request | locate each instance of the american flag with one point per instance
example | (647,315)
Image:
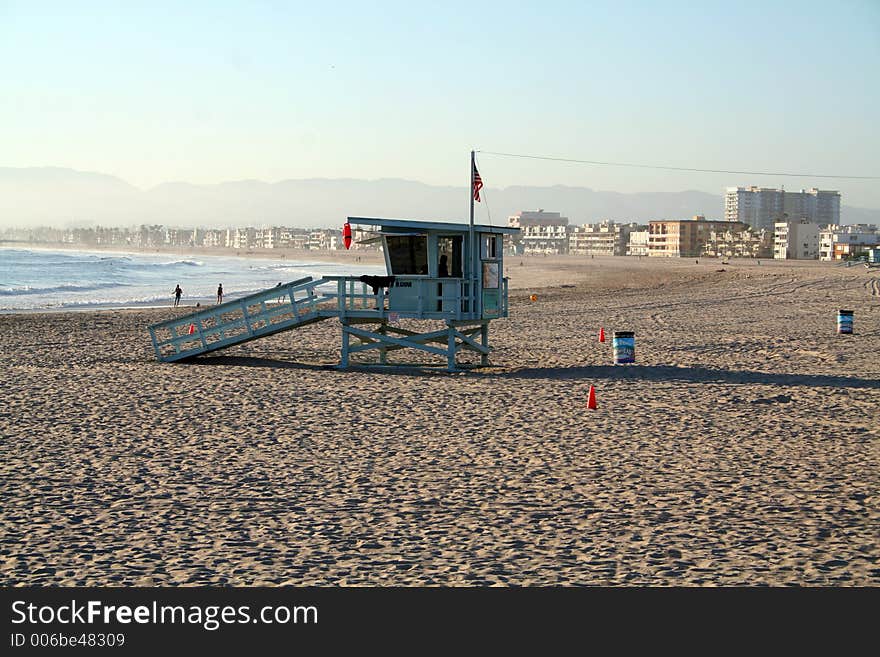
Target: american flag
(478,182)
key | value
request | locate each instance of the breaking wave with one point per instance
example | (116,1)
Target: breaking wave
(25,289)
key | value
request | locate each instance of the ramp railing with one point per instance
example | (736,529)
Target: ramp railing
(238,321)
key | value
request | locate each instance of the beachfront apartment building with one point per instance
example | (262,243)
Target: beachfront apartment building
(266,238)
(363,239)
(277,237)
(179,237)
(284,237)
(637,244)
(604,238)
(540,232)
(796,240)
(739,241)
(324,240)
(683,238)
(842,242)
(547,240)
(240,238)
(299,241)
(538,217)
(762,207)
(213,238)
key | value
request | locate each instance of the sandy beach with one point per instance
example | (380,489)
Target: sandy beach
(740,449)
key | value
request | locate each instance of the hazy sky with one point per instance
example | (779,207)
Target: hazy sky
(213,91)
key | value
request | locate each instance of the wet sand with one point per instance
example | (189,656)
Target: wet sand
(740,449)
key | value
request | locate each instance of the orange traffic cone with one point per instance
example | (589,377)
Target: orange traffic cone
(192,329)
(591,400)
(601,335)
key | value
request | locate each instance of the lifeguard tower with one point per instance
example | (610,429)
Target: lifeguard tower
(441,272)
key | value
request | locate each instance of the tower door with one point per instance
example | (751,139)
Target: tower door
(491,272)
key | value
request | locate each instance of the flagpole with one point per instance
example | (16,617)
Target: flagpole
(473,255)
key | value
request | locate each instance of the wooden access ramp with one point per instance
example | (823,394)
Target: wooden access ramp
(235,322)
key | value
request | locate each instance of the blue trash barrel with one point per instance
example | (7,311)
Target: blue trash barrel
(624,346)
(844,321)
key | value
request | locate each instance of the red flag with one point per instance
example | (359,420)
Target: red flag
(478,182)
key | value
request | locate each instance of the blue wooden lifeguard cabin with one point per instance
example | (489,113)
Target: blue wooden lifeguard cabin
(442,272)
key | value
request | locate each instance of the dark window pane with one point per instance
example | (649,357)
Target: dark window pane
(408,254)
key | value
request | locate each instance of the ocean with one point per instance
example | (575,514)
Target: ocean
(44,279)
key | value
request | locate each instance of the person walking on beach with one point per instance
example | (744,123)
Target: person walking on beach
(177,293)
(220,293)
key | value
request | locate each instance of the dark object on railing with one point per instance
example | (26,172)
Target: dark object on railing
(376,282)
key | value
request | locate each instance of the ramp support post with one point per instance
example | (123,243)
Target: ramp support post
(450,355)
(383,351)
(343,361)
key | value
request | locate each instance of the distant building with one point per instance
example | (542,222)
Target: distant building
(536,218)
(605,238)
(739,241)
(762,207)
(638,243)
(214,238)
(178,237)
(543,240)
(842,242)
(685,238)
(266,238)
(324,239)
(363,239)
(540,232)
(796,240)
(240,238)
(290,238)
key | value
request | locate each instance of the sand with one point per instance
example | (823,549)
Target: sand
(740,449)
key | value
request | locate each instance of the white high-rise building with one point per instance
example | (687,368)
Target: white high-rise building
(762,207)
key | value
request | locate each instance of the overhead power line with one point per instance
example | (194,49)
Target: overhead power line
(668,168)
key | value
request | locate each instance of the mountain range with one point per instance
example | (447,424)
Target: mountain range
(62,197)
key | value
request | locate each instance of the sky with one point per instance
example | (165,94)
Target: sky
(206,92)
